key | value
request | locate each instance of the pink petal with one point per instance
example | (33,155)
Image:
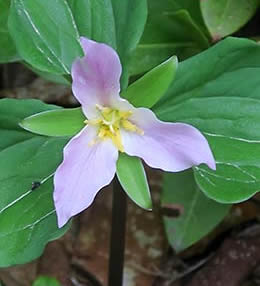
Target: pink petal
(96,76)
(84,171)
(168,146)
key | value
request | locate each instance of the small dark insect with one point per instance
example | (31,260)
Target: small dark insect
(35,185)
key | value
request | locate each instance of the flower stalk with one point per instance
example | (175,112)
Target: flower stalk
(117,237)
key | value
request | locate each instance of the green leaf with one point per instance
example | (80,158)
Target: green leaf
(146,91)
(218,92)
(130,19)
(131,174)
(165,6)
(8,51)
(27,216)
(224,17)
(95,20)
(117,23)
(200,214)
(165,35)
(60,122)
(57,78)
(46,281)
(45,34)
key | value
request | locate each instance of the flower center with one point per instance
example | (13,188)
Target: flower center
(109,124)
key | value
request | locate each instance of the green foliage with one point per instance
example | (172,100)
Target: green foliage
(8,51)
(191,6)
(60,122)
(132,177)
(173,28)
(146,91)
(218,91)
(130,19)
(224,17)
(46,281)
(200,214)
(95,20)
(28,218)
(45,34)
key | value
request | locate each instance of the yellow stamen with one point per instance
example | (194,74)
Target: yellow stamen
(129,126)
(117,140)
(109,124)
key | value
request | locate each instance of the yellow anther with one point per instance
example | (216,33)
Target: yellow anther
(102,133)
(129,126)
(125,114)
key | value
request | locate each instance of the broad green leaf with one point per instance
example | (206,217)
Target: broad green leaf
(27,216)
(165,35)
(57,78)
(218,91)
(95,20)
(46,281)
(45,34)
(130,18)
(117,23)
(200,214)
(60,122)
(191,6)
(146,91)
(132,177)
(8,51)
(224,17)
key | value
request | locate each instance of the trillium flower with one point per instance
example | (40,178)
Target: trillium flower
(113,125)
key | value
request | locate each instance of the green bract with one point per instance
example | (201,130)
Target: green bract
(60,122)
(131,175)
(146,91)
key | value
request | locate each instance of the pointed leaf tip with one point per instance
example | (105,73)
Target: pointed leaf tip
(146,91)
(59,122)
